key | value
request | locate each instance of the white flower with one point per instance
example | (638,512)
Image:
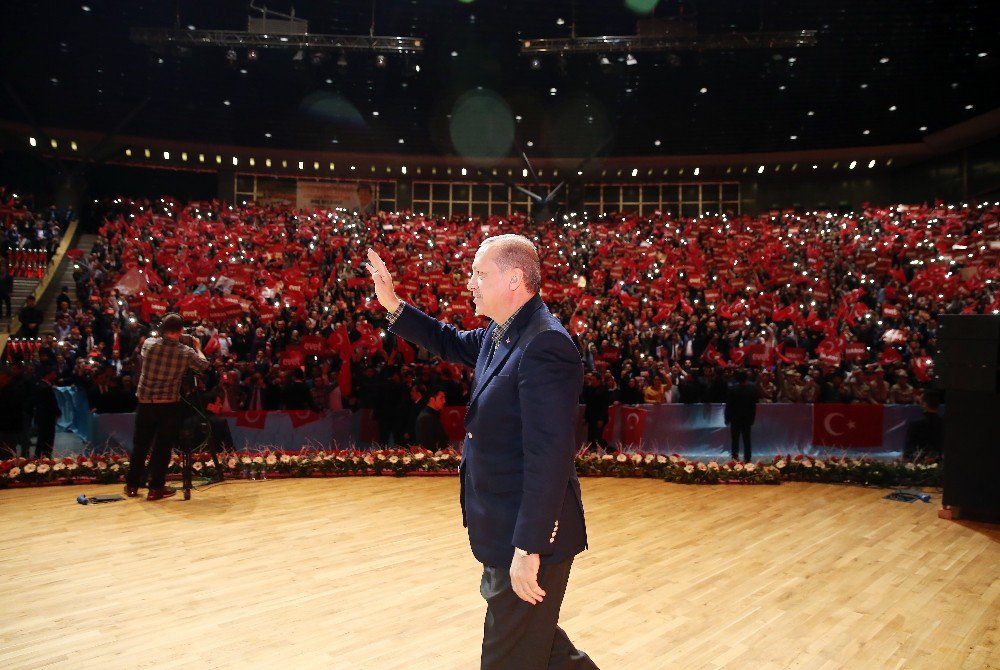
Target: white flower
(806,463)
(114,467)
(637,458)
(285,458)
(701,467)
(820,464)
(406,460)
(607,457)
(661,459)
(14,472)
(29,468)
(258,460)
(72,466)
(713,466)
(245,460)
(59,466)
(689,468)
(749,467)
(738,467)
(621,458)
(649,458)
(270,460)
(419,456)
(910,466)
(43,468)
(196,466)
(780,464)
(88,464)
(231,462)
(380,456)
(394,459)
(674,458)
(101,465)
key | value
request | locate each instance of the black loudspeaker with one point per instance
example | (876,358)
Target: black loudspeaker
(968,352)
(968,369)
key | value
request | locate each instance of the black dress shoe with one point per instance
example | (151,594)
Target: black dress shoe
(160,494)
(131,491)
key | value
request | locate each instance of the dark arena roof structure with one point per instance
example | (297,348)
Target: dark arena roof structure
(697,77)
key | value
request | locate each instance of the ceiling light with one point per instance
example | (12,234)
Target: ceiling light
(893,108)
(454,54)
(760,170)
(864,85)
(982,54)
(883,60)
(635,172)
(794,137)
(866,132)
(552,91)
(815,167)
(267,135)
(402,141)
(923,129)
(630,60)
(560,21)
(656,143)
(604,61)
(380,61)
(530,143)
(791,60)
(536,64)
(871,164)
(853,165)
(810,113)
(703,90)
(226,103)
(969,106)
(697,171)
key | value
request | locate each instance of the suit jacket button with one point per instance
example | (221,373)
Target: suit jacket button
(469,435)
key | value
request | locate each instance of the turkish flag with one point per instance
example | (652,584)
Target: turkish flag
(453,421)
(302,417)
(857,425)
(633,425)
(253,419)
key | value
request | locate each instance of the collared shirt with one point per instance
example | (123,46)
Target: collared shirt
(164,362)
(502,329)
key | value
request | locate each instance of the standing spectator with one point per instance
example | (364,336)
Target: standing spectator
(655,392)
(596,401)
(740,413)
(46,413)
(430,433)
(11,413)
(6,290)
(30,317)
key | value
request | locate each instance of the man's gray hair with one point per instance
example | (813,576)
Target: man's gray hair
(517,251)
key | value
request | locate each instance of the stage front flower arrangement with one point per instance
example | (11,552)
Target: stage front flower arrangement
(111,468)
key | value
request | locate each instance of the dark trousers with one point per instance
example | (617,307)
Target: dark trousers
(737,430)
(46,439)
(595,432)
(520,636)
(157,425)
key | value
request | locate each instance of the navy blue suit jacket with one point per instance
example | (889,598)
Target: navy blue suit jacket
(518,481)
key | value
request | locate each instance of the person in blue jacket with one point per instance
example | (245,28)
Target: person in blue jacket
(519,493)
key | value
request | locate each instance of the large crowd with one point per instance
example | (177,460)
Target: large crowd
(818,306)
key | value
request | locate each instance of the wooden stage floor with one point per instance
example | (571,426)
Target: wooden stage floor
(376,573)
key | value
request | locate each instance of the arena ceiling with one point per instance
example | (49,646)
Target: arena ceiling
(879,73)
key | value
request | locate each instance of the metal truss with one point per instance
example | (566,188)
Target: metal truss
(237,38)
(630,44)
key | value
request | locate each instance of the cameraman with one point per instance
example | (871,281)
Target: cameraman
(163,362)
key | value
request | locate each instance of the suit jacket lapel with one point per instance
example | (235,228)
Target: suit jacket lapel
(505,347)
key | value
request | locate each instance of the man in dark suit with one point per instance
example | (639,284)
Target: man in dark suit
(741,410)
(519,490)
(429,432)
